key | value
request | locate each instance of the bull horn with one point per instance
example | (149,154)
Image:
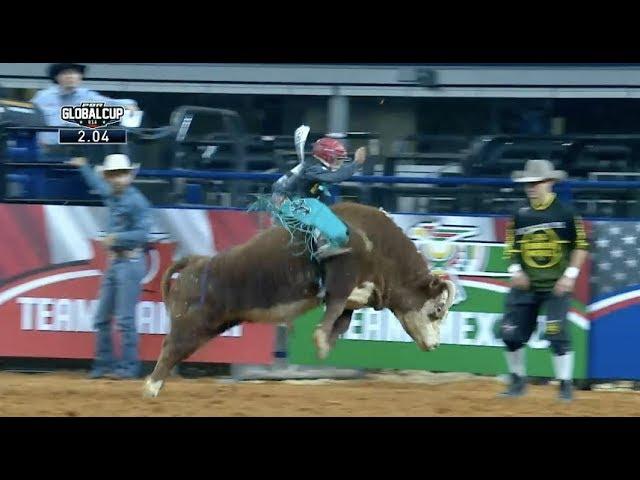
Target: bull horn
(451,288)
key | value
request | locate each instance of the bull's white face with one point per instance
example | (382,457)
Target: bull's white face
(424,325)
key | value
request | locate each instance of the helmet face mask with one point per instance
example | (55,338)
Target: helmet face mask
(337,163)
(333,165)
(330,152)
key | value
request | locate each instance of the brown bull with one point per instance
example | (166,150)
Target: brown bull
(267,280)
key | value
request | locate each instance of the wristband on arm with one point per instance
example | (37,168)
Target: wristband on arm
(572,272)
(514,268)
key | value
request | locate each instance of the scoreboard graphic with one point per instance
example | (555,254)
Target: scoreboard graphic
(92,119)
(87,136)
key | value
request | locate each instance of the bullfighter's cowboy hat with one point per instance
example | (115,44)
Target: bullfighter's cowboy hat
(55,68)
(538,171)
(117,161)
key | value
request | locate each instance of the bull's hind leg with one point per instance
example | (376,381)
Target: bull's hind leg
(175,348)
(168,359)
(183,340)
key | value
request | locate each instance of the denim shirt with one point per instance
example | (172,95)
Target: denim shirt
(129,212)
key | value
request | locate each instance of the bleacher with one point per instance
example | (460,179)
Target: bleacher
(595,157)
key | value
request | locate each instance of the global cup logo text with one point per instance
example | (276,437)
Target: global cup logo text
(92,115)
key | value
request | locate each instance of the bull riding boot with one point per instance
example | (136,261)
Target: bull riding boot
(325,249)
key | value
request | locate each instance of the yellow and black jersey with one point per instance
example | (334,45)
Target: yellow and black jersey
(540,238)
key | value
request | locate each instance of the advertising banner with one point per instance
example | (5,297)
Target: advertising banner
(51,265)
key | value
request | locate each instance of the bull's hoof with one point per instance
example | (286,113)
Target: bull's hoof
(322,344)
(151,389)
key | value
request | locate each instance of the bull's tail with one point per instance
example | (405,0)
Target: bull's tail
(166,277)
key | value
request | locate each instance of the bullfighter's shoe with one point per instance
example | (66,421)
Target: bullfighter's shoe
(565,393)
(517,387)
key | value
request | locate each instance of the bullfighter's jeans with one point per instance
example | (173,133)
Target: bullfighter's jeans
(119,294)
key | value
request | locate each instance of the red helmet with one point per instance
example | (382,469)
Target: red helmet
(329,151)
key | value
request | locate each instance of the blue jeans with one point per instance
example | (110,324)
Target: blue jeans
(119,295)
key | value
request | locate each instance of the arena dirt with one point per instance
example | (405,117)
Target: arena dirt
(70,394)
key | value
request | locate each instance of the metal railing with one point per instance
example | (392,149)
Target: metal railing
(33,181)
(386,189)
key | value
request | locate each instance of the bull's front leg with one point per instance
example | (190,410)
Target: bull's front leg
(340,280)
(322,335)
(340,326)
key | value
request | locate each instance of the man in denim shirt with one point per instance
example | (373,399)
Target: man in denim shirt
(128,231)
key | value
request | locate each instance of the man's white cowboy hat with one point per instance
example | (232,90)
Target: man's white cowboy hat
(538,171)
(117,161)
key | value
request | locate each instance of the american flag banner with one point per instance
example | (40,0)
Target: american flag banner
(615,253)
(615,306)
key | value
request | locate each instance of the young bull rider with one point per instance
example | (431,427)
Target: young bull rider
(128,230)
(299,195)
(546,244)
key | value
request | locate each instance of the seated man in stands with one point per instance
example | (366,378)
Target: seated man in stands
(66,91)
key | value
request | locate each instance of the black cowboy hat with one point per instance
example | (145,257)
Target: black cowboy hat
(56,68)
